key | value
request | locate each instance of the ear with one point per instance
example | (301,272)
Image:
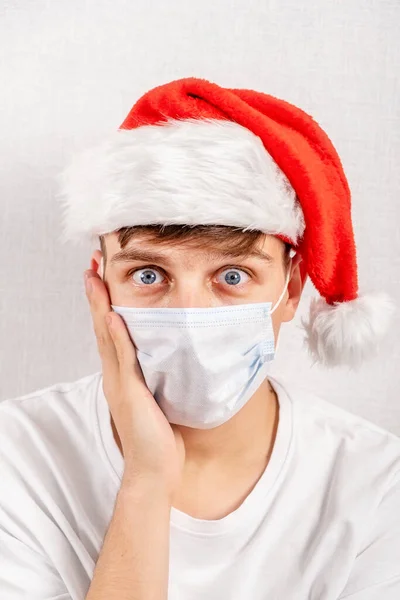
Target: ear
(296,285)
(303,272)
(95,261)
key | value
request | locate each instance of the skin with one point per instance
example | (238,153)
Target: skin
(230,458)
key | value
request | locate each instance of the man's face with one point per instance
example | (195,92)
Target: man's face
(149,274)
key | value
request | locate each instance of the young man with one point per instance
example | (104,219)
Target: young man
(182,469)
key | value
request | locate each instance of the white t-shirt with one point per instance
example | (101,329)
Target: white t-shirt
(322,522)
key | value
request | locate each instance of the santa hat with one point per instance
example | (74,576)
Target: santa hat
(191,152)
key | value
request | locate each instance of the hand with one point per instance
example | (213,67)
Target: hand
(152,447)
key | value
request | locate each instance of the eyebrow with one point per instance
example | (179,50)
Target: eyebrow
(135,254)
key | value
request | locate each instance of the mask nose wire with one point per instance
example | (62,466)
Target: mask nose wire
(284,289)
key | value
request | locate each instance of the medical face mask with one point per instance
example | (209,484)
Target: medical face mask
(203,364)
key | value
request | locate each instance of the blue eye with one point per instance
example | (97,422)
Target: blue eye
(146,276)
(233,277)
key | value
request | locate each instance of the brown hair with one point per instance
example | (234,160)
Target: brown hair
(232,240)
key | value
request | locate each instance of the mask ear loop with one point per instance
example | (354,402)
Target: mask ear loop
(285,288)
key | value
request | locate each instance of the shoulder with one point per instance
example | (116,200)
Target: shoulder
(352,446)
(313,411)
(47,422)
(47,444)
(52,402)
(48,464)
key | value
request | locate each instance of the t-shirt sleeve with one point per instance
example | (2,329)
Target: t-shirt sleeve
(376,571)
(27,574)
(27,571)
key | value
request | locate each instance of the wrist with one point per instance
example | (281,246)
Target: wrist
(145,488)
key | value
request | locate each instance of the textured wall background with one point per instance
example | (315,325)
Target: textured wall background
(69,73)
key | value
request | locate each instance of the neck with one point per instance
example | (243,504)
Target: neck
(247,437)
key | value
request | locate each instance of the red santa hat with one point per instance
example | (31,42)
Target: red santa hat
(191,152)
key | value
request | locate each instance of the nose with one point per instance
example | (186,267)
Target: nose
(193,295)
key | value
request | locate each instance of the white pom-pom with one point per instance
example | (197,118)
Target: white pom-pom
(347,333)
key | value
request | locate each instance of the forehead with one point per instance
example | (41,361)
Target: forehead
(268,247)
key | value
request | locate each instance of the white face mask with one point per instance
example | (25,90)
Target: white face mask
(203,364)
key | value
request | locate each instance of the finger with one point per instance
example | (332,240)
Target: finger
(100,306)
(125,349)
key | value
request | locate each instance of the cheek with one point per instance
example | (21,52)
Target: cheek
(127,295)
(280,311)
(117,293)
(285,312)
(276,322)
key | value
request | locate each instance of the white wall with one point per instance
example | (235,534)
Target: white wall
(70,72)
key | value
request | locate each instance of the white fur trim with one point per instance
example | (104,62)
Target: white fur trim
(189,171)
(347,333)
